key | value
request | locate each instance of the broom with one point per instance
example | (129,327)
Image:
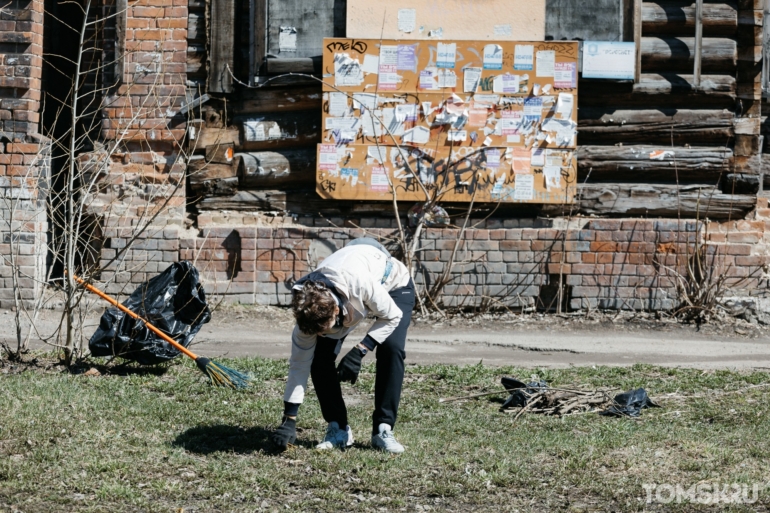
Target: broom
(217,373)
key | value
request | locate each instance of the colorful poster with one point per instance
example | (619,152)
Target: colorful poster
(524,57)
(525,187)
(545,63)
(510,122)
(379,181)
(447,78)
(428,78)
(552,177)
(509,83)
(537,159)
(347,71)
(477,117)
(493,57)
(520,161)
(493,157)
(338,104)
(328,157)
(471,79)
(388,78)
(447,55)
(533,109)
(406,58)
(565,75)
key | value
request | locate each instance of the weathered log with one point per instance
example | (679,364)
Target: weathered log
(281,130)
(282,168)
(208,136)
(751,165)
(220,154)
(306,97)
(674,17)
(293,65)
(678,126)
(695,201)
(719,55)
(214,187)
(653,163)
(740,183)
(747,145)
(663,90)
(304,201)
(200,170)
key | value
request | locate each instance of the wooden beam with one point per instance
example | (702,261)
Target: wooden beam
(278,169)
(293,65)
(698,42)
(663,91)
(638,39)
(718,55)
(598,125)
(644,163)
(673,18)
(284,99)
(694,201)
(221,46)
(208,136)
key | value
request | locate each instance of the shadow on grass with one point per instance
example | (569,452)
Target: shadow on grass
(224,438)
(126,368)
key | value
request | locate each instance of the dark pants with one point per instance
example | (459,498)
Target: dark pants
(390,370)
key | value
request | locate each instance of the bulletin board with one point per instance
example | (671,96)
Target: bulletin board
(494,120)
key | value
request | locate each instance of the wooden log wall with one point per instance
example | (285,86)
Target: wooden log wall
(652,148)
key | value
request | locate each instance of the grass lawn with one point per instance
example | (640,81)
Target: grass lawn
(165,440)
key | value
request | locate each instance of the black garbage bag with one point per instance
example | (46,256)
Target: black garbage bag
(174,302)
(630,404)
(520,391)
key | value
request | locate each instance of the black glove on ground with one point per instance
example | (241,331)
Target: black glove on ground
(350,366)
(285,434)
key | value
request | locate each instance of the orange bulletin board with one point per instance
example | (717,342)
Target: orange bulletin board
(494,119)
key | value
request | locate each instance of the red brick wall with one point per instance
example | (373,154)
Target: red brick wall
(144,190)
(608,263)
(24,161)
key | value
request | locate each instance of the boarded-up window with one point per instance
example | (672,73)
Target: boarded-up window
(296,28)
(290,33)
(589,20)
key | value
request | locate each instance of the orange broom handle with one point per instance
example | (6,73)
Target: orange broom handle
(122,308)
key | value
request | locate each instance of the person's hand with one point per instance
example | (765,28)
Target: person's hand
(350,365)
(285,434)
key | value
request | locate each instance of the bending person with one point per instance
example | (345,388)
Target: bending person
(359,279)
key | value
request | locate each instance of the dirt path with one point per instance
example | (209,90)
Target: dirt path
(531,341)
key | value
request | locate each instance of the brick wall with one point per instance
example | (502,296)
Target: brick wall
(21,32)
(141,199)
(608,263)
(24,159)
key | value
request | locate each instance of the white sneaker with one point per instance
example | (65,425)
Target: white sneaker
(385,440)
(336,437)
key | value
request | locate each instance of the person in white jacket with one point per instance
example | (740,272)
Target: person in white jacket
(359,279)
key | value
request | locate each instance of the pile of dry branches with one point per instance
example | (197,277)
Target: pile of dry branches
(564,401)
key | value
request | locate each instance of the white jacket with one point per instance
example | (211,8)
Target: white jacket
(356,272)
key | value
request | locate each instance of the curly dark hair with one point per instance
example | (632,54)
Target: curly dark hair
(313,307)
